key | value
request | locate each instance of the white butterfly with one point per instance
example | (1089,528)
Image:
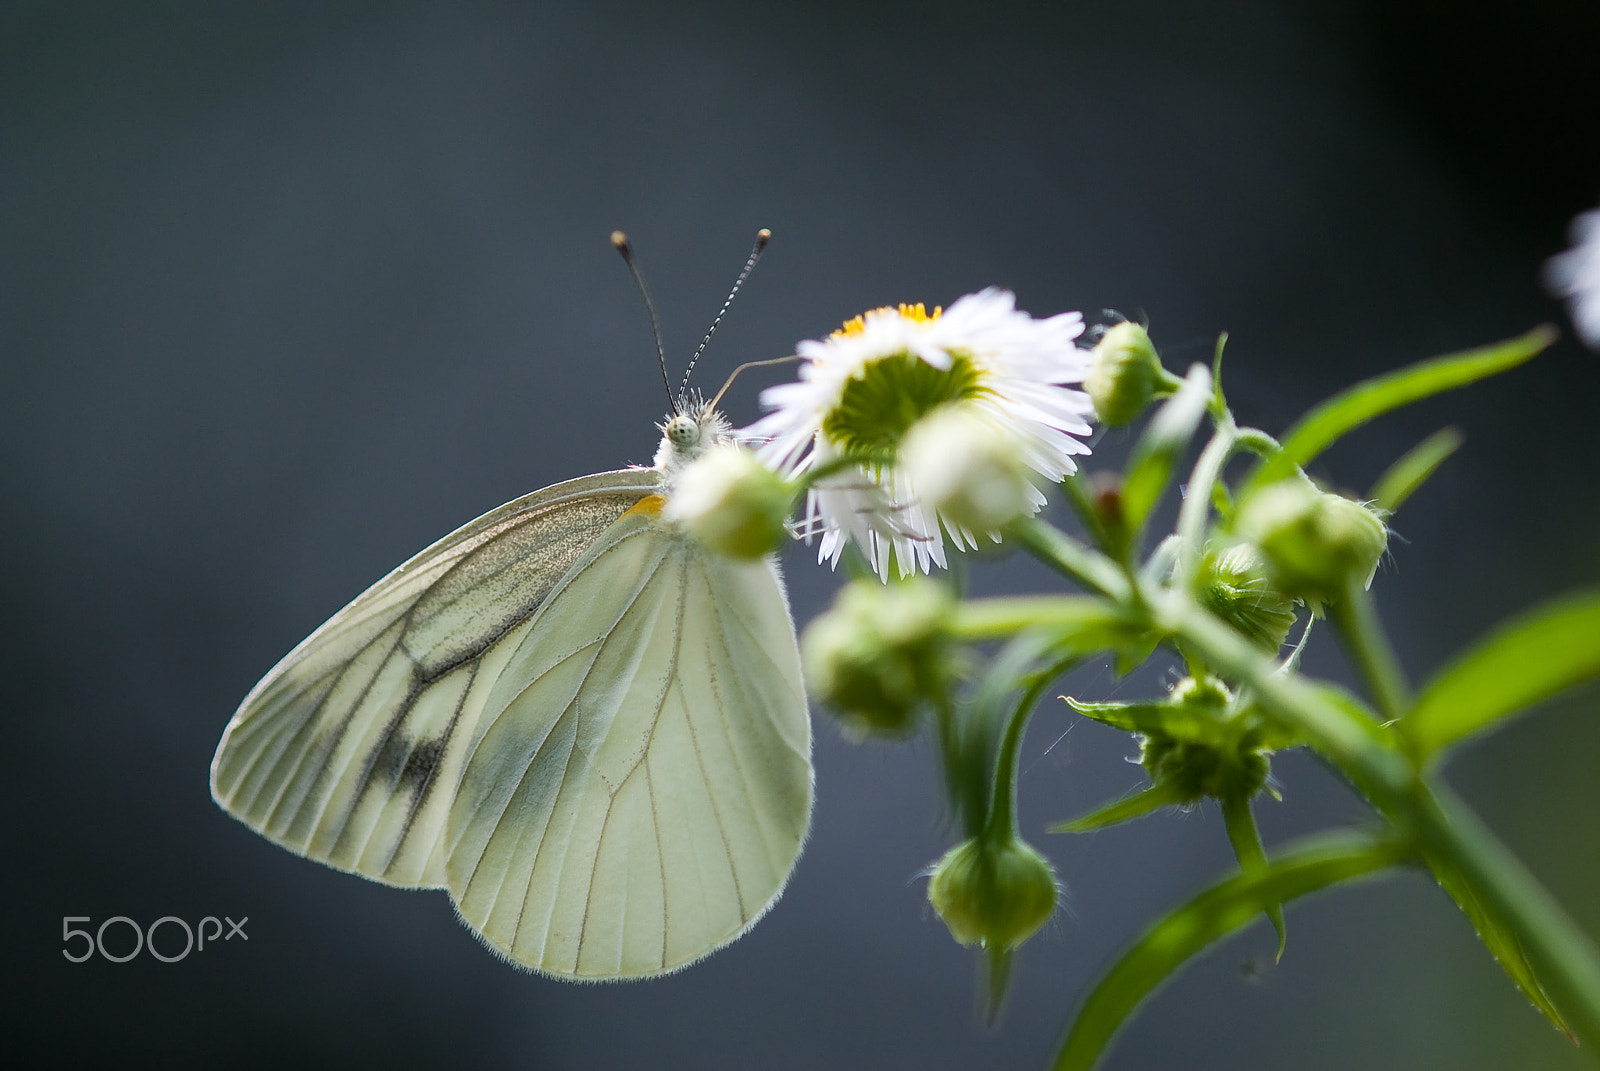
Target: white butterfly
(587,727)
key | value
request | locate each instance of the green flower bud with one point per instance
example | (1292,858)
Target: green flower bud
(993,895)
(969,468)
(1124,375)
(732,503)
(1315,541)
(1235,584)
(880,654)
(1200,770)
(1224,766)
(1202,692)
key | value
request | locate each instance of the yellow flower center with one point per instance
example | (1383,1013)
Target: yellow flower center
(917,313)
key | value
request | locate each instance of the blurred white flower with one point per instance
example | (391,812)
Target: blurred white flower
(1575,275)
(731,502)
(861,389)
(966,467)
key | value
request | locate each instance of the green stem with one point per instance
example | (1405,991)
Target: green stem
(1252,855)
(1002,826)
(954,753)
(1565,957)
(1259,442)
(1355,618)
(1083,566)
(1002,617)
(1355,744)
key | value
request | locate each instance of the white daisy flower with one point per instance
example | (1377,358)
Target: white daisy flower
(1575,275)
(877,511)
(862,388)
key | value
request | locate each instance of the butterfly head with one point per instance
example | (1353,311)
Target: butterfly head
(688,432)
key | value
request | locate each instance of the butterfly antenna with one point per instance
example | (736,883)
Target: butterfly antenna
(745,368)
(763,236)
(620,241)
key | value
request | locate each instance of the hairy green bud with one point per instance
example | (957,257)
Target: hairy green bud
(970,468)
(732,503)
(1315,541)
(993,895)
(1223,766)
(880,654)
(1124,375)
(1236,584)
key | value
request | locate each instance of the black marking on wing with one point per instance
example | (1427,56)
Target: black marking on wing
(422,674)
(288,748)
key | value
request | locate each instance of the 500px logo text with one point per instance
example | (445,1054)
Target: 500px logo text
(195,938)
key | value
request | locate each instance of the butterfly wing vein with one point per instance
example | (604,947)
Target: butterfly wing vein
(644,789)
(589,729)
(349,750)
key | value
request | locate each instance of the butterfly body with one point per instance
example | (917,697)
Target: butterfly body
(587,727)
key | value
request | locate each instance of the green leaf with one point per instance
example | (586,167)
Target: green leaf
(1552,647)
(1183,722)
(1215,913)
(1500,940)
(1132,655)
(1350,409)
(1403,478)
(1157,796)
(1163,441)
(1271,733)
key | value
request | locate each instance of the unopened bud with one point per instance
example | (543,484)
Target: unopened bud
(1223,767)
(1236,585)
(993,895)
(1123,377)
(1316,541)
(880,654)
(969,468)
(732,503)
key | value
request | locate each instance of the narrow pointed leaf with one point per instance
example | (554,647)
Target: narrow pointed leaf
(1132,654)
(1348,410)
(1552,647)
(1414,467)
(1213,914)
(1501,942)
(1138,805)
(1183,723)
(1269,734)
(996,976)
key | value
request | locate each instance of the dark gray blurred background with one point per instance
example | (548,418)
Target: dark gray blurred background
(290,290)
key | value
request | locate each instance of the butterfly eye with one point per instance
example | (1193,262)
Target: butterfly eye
(683,430)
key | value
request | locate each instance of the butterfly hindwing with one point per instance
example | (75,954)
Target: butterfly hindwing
(349,751)
(642,783)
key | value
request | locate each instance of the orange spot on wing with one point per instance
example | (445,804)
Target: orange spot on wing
(649,505)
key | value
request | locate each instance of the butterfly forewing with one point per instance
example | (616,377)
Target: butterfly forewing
(642,784)
(350,749)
